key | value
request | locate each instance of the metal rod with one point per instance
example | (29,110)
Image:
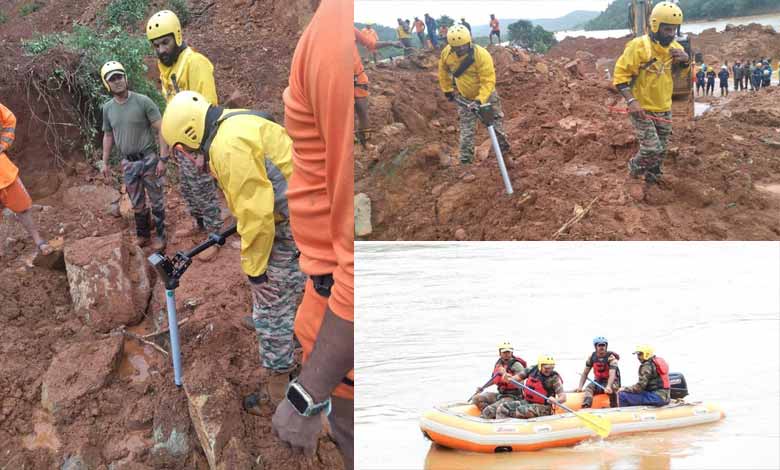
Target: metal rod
(170,302)
(500,158)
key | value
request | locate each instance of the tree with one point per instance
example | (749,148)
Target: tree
(446,21)
(535,38)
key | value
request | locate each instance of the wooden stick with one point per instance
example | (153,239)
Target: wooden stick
(574,219)
(164,330)
(147,342)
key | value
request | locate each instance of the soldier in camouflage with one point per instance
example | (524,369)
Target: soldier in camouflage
(653,133)
(652,387)
(543,379)
(508,366)
(605,369)
(468,129)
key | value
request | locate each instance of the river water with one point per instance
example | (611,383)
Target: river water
(688,27)
(431,316)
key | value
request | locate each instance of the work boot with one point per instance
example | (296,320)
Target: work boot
(587,402)
(209,253)
(196,228)
(653,175)
(142,242)
(273,390)
(142,228)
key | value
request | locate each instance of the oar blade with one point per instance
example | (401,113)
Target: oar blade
(599,425)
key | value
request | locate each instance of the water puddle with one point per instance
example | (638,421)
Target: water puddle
(44,434)
(700,108)
(136,358)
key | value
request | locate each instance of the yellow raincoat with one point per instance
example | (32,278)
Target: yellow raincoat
(654,84)
(194,72)
(477,82)
(251,159)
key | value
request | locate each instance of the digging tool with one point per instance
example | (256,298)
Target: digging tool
(170,271)
(599,425)
(482,388)
(484,113)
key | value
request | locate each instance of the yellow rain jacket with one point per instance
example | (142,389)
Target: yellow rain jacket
(194,72)
(251,159)
(402,33)
(654,85)
(477,82)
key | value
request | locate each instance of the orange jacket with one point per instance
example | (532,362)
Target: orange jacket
(369,34)
(8,171)
(367,40)
(319,116)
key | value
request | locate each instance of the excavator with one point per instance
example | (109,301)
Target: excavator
(682,98)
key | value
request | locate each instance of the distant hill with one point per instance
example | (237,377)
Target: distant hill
(573,20)
(616,14)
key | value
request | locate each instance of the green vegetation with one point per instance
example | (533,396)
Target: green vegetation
(93,47)
(445,20)
(535,38)
(3,17)
(181,9)
(28,8)
(616,15)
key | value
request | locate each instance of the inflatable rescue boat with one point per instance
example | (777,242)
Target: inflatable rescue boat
(459,425)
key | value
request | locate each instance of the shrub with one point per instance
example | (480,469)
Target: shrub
(125,13)
(28,8)
(181,9)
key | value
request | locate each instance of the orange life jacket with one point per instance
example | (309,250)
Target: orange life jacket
(536,381)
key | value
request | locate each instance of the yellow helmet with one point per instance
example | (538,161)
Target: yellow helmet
(163,23)
(665,12)
(505,346)
(184,121)
(545,361)
(458,35)
(645,350)
(110,68)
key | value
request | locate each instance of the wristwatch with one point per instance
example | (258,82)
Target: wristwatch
(631,100)
(303,403)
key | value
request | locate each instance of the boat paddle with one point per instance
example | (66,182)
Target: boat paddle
(482,388)
(601,426)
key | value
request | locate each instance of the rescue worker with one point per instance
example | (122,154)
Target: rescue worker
(404,35)
(182,68)
(543,379)
(495,29)
(710,82)
(431,26)
(419,28)
(471,67)
(13,194)
(737,69)
(251,159)
(464,23)
(723,78)
(507,366)
(361,81)
(766,74)
(652,387)
(443,34)
(757,73)
(745,74)
(643,75)
(700,80)
(318,117)
(369,32)
(605,372)
(131,120)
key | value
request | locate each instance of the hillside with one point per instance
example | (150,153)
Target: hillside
(616,14)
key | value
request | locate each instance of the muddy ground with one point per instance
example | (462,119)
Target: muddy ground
(570,147)
(76,396)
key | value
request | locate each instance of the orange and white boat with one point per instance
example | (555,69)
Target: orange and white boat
(459,425)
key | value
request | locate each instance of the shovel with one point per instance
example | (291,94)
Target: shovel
(485,115)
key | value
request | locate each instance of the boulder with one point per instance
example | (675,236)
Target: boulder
(215,413)
(362,215)
(96,199)
(542,68)
(109,281)
(78,370)
(413,120)
(170,432)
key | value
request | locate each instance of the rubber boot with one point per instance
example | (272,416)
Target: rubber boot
(142,228)
(159,242)
(587,402)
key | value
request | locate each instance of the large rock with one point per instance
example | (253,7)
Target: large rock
(170,432)
(96,199)
(215,413)
(78,370)
(362,215)
(413,120)
(109,281)
(452,201)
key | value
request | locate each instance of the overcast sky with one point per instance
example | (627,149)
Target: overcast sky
(475,11)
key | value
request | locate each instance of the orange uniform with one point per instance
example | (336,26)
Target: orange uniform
(360,78)
(13,195)
(319,117)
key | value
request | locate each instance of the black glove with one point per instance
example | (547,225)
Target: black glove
(450,95)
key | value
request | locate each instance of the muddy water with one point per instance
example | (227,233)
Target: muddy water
(431,316)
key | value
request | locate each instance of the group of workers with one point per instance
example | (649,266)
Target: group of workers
(755,75)
(529,392)
(289,188)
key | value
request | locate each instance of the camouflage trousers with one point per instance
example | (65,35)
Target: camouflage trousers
(590,390)
(653,137)
(468,129)
(522,409)
(490,402)
(140,181)
(200,191)
(275,301)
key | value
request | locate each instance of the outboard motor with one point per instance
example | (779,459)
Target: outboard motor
(678,386)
